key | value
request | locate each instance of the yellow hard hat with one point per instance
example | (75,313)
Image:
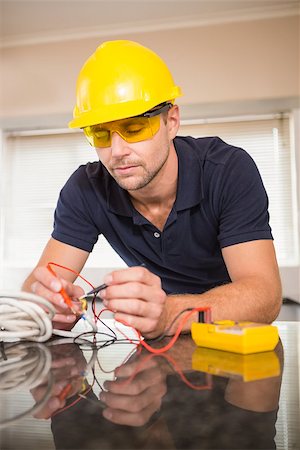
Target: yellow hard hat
(121,79)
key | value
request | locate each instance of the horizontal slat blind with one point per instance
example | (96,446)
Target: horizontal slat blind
(36,168)
(267,140)
(37,164)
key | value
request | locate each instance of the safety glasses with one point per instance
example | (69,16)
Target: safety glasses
(133,129)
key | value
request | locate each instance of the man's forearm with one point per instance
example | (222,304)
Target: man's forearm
(250,299)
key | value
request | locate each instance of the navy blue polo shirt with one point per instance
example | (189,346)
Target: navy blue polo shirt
(220,201)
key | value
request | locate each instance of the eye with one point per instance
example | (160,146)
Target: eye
(134,129)
(100,134)
(134,126)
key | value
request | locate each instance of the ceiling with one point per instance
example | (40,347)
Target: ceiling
(25,22)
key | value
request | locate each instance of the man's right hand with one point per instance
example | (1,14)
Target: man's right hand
(44,283)
(48,286)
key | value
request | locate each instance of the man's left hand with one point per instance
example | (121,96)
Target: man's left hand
(136,297)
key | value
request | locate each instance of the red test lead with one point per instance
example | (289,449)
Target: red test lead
(63,293)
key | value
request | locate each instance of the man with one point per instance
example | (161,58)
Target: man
(193,212)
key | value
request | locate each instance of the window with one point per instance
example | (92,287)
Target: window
(268,140)
(35,165)
(34,168)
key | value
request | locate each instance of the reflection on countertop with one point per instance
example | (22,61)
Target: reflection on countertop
(65,395)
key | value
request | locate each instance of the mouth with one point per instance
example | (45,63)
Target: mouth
(124,169)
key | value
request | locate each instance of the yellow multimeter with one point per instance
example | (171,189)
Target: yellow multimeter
(237,337)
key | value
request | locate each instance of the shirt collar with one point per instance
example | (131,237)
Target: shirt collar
(190,190)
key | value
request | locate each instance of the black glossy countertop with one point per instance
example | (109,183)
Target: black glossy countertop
(67,396)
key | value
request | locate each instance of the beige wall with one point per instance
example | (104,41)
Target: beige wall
(218,63)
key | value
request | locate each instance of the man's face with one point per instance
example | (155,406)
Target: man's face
(136,165)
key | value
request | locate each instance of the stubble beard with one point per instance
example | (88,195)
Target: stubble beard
(134,183)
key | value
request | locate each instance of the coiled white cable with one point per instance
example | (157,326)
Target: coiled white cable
(23,316)
(26,316)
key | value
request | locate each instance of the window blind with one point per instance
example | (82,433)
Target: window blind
(36,167)
(37,164)
(268,141)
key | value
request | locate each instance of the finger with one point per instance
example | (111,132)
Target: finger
(48,279)
(147,326)
(135,307)
(72,290)
(55,298)
(136,273)
(64,319)
(64,313)
(48,285)
(135,290)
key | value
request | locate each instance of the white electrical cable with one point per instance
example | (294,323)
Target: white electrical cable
(72,334)
(26,316)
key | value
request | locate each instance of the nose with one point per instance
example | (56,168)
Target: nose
(119,146)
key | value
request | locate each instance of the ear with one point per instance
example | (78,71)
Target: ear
(173,121)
